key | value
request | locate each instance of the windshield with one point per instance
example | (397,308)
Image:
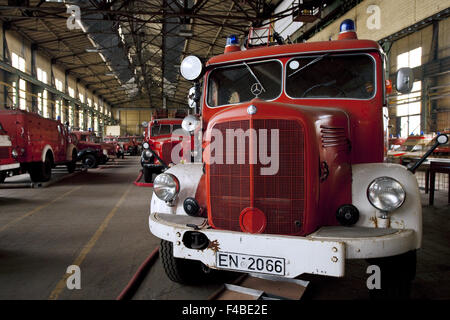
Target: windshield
(159,130)
(244,82)
(331,76)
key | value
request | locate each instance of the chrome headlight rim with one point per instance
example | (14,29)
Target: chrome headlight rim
(146,145)
(166,187)
(147,154)
(376,204)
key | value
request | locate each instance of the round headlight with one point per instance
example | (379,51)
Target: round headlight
(190,123)
(146,145)
(191,68)
(147,154)
(14,153)
(166,186)
(386,194)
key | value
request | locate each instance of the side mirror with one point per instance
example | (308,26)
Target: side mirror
(144,124)
(405,80)
(440,139)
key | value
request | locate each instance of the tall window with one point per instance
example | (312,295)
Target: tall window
(58,103)
(95,124)
(71,92)
(43,96)
(72,107)
(19,63)
(409,105)
(81,119)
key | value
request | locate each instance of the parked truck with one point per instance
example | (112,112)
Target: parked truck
(158,145)
(38,144)
(91,150)
(8,156)
(292,178)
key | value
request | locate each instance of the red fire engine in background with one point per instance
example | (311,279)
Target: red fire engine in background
(8,155)
(38,144)
(158,145)
(317,194)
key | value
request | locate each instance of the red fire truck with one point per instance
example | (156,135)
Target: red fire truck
(292,178)
(8,155)
(38,144)
(158,145)
(118,148)
(91,151)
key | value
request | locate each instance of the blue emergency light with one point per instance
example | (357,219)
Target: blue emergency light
(347,25)
(232,40)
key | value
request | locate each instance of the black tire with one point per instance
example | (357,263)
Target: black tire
(72,164)
(89,161)
(42,171)
(397,274)
(148,175)
(183,270)
(2,176)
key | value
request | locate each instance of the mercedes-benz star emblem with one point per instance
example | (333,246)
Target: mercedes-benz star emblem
(251,109)
(256,89)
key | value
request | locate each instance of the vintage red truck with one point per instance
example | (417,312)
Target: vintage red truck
(292,178)
(8,156)
(159,142)
(91,151)
(38,144)
(414,146)
(118,147)
(128,145)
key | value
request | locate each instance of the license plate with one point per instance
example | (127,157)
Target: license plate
(250,263)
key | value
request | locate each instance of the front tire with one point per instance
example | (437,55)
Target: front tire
(42,171)
(148,175)
(72,164)
(183,270)
(89,161)
(397,274)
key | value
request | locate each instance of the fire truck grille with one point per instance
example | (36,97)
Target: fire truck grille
(166,152)
(4,152)
(280,195)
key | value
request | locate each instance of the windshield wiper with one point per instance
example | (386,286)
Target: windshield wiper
(254,76)
(307,65)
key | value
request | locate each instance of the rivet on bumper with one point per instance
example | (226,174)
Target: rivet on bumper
(334,259)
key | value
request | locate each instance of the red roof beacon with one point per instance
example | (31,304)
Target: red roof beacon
(347,30)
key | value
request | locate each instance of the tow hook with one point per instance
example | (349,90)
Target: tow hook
(195,240)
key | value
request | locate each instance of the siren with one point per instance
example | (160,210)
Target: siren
(347,30)
(232,44)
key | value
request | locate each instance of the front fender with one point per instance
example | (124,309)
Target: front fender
(84,152)
(188,175)
(70,150)
(408,216)
(44,152)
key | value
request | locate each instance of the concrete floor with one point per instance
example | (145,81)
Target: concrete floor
(98,220)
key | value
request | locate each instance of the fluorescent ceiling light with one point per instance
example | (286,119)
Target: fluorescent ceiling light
(93,50)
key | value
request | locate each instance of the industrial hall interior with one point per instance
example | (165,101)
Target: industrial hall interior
(239,150)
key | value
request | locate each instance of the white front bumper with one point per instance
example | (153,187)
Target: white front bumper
(323,252)
(12,166)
